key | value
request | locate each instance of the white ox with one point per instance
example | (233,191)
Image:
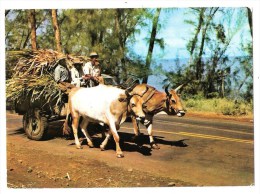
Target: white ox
(102,104)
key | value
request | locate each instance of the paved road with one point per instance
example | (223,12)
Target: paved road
(197,151)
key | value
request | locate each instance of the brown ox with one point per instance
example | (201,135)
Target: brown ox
(154,102)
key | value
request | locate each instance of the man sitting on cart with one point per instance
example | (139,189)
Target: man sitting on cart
(77,75)
(92,71)
(61,72)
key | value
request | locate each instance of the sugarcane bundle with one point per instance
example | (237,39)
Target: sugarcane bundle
(37,62)
(33,77)
(32,85)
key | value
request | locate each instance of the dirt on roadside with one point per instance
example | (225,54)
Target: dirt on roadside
(35,164)
(27,168)
(211,115)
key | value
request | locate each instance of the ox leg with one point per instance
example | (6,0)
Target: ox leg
(104,143)
(113,128)
(83,127)
(136,126)
(150,133)
(136,138)
(75,124)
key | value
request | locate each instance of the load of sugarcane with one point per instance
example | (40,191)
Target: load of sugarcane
(33,77)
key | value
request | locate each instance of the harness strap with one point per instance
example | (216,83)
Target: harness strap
(150,95)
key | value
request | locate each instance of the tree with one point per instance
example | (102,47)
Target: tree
(250,22)
(243,74)
(211,71)
(7,11)
(152,41)
(56,29)
(126,21)
(121,39)
(16,30)
(32,22)
(194,40)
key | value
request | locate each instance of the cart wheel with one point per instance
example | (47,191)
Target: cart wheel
(35,125)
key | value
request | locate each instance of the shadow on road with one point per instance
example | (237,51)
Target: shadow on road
(128,141)
(19,131)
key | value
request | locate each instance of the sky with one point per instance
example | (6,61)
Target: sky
(176,34)
(174,41)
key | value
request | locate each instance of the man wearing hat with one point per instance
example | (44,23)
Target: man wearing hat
(92,70)
(61,72)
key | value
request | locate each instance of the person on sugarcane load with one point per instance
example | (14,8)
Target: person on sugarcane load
(92,71)
(63,78)
(76,75)
(61,72)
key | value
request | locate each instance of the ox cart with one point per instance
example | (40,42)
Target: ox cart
(38,112)
(32,91)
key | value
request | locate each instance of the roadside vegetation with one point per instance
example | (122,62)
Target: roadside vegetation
(219,106)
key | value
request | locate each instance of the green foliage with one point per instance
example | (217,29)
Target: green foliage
(136,66)
(219,105)
(16,30)
(106,31)
(111,32)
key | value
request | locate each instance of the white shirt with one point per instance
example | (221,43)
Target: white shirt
(93,70)
(75,77)
(61,73)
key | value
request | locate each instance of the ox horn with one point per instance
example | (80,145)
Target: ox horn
(179,87)
(129,90)
(166,90)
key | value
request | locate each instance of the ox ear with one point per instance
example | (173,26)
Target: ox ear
(166,90)
(179,87)
(140,90)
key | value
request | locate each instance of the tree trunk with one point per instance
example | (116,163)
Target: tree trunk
(101,36)
(118,31)
(56,29)
(152,40)
(7,11)
(32,22)
(26,40)
(195,39)
(199,65)
(223,75)
(118,15)
(199,60)
(249,14)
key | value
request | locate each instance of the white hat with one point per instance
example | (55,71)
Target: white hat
(93,54)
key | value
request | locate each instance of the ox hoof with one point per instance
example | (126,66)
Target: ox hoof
(79,147)
(155,146)
(102,148)
(90,145)
(120,155)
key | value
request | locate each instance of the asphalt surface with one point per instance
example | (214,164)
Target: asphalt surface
(197,151)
